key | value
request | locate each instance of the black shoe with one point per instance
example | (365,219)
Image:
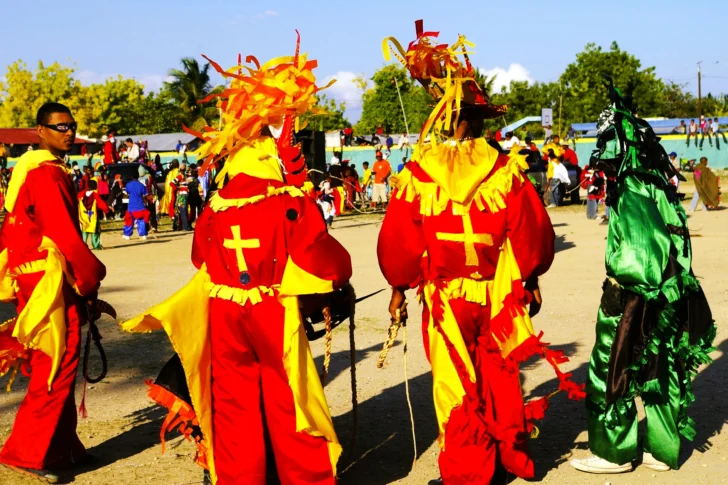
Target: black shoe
(437,481)
(206,478)
(43,475)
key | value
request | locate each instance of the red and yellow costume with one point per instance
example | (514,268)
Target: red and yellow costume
(259,245)
(466,227)
(44,267)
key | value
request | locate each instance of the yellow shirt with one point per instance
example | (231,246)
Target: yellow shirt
(367,176)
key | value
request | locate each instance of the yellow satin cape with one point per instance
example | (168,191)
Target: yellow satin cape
(41,325)
(448,389)
(167,197)
(185,317)
(88,224)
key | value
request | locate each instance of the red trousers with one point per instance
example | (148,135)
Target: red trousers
(251,398)
(44,434)
(490,426)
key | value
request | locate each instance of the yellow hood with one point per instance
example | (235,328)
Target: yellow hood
(457,168)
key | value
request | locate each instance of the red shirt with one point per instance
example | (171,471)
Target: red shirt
(276,229)
(406,235)
(570,156)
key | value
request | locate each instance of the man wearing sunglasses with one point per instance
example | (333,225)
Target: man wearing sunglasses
(50,274)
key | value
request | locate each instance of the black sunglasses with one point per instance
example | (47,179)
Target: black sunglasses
(63,127)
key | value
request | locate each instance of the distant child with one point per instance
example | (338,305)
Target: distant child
(89,205)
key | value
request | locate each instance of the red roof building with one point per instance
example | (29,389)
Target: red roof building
(25,136)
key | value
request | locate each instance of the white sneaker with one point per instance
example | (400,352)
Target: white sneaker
(143,238)
(551,206)
(653,463)
(126,238)
(594,464)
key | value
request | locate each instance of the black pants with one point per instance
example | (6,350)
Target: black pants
(195,209)
(710,140)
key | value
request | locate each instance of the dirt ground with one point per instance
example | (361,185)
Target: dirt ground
(122,429)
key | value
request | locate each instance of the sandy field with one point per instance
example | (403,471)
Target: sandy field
(122,429)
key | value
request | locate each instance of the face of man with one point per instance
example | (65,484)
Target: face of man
(557,140)
(57,142)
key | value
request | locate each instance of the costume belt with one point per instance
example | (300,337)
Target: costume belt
(241,296)
(472,290)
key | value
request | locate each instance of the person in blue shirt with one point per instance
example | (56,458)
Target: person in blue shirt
(400,167)
(136,212)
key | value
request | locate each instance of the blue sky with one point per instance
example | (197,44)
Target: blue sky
(519,39)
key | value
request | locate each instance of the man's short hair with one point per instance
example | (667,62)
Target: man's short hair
(92,185)
(44,112)
(129,140)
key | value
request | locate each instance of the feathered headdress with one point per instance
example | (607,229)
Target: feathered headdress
(258,97)
(448,80)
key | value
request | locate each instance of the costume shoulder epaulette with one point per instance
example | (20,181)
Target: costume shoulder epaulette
(491,195)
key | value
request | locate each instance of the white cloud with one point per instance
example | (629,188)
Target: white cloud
(151,82)
(515,72)
(267,13)
(346,90)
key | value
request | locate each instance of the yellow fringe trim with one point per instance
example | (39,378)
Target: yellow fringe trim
(218,203)
(490,195)
(474,291)
(29,268)
(240,296)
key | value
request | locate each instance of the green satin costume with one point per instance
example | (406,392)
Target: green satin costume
(654,327)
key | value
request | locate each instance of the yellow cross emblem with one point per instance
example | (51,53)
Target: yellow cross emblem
(238,244)
(469,239)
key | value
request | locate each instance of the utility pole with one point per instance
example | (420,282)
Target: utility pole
(404,113)
(700,94)
(561,98)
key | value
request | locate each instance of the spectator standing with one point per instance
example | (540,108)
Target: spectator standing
(569,154)
(194,198)
(136,213)
(103,188)
(110,154)
(348,136)
(4,156)
(183,151)
(381,171)
(571,135)
(90,205)
(676,165)
(548,134)
(116,197)
(181,214)
(147,180)
(560,178)
(390,143)
(132,151)
(511,141)
(366,182)
(707,189)
(692,131)
(595,185)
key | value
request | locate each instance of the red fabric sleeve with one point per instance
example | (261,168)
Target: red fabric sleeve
(56,215)
(311,247)
(530,231)
(401,243)
(202,238)
(100,203)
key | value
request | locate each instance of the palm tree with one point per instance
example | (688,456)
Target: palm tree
(485,82)
(190,85)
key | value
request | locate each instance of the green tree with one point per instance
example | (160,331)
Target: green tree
(584,96)
(110,106)
(23,91)
(381,105)
(188,87)
(334,118)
